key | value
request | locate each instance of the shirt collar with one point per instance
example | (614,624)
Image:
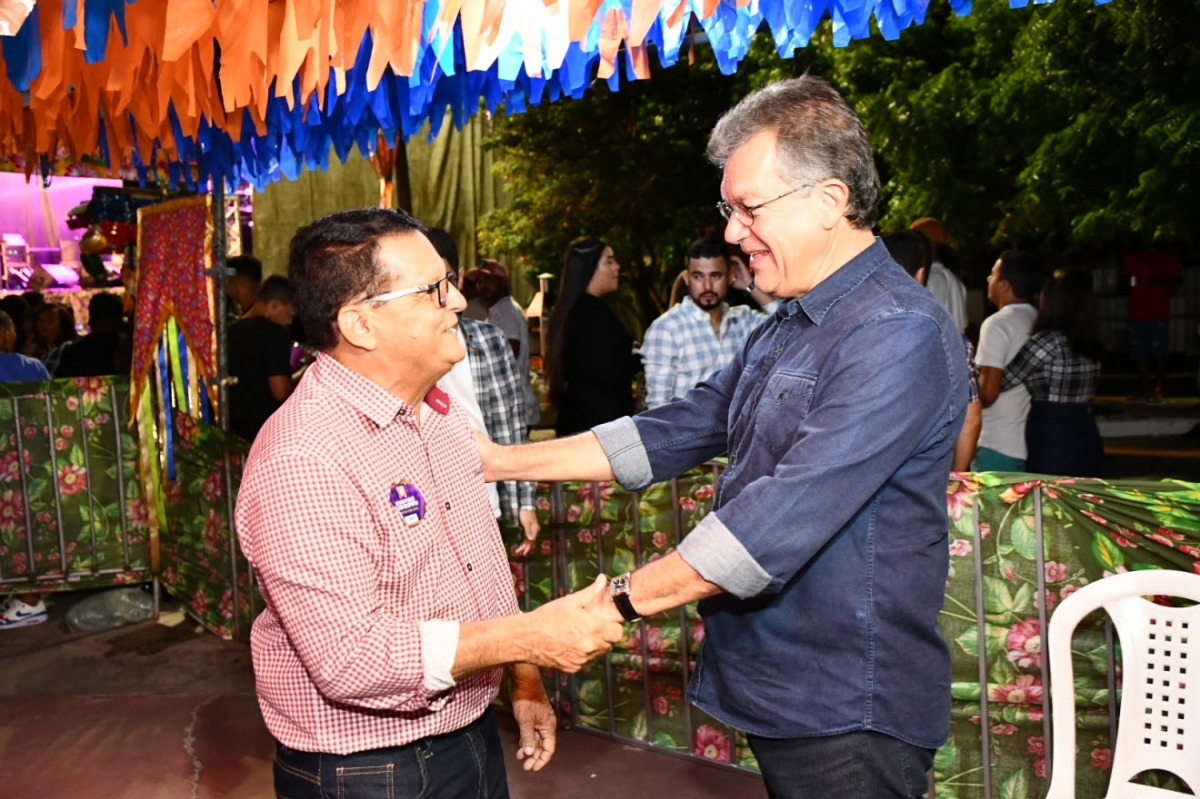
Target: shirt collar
(369,398)
(817,303)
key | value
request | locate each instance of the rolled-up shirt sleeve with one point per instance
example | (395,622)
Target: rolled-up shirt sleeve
(320,580)
(439,647)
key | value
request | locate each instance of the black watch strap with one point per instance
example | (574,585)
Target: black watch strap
(619,590)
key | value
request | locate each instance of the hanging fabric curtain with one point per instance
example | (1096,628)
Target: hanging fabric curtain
(174,255)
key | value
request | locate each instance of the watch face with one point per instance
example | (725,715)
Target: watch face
(620,584)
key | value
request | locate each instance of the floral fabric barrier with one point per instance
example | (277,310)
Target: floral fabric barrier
(73,515)
(1018,546)
(72,512)
(202,564)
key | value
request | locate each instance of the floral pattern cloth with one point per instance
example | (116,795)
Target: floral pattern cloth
(72,513)
(638,691)
(202,563)
(174,246)
(1089,528)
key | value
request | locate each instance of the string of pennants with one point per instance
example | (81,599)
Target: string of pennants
(258,90)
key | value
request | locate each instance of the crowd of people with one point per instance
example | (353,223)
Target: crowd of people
(48,343)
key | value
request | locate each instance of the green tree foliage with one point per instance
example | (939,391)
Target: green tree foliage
(628,166)
(1069,126)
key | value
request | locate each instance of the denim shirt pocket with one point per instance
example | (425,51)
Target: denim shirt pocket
(782,407)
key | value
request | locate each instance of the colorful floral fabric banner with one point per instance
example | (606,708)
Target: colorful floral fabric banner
(73,513)
(174,254)
(140,80)
(1024,542)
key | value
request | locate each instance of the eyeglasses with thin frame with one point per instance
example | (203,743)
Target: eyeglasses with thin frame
(442,287)
(745,213)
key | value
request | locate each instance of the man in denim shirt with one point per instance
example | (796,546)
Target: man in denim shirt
(822,568)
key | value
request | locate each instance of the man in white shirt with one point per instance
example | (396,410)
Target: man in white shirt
(702,333)
(941,282)
(1013,285)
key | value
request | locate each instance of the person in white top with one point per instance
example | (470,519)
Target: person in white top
(1013,286)
(941,282)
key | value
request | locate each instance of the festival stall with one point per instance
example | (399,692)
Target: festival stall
(96,467)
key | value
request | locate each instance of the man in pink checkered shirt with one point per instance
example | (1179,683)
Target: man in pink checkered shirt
(390,608)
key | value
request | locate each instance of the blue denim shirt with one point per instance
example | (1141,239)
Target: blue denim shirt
(829,530)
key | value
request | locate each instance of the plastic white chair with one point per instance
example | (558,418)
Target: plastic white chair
(1160,702)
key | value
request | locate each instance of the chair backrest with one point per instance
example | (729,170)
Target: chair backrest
(1160,700)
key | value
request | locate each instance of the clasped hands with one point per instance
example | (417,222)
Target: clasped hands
(574,629)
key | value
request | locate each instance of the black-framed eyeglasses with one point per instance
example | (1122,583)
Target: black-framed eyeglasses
(441,287)
(745,213)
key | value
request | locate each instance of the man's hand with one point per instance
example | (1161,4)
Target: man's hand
(488,450)
(531,527)
(535,717)
(739,274)
(574,629)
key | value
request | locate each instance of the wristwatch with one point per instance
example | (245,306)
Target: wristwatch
(619,591)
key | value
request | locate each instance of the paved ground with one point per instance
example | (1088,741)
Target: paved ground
(166,711)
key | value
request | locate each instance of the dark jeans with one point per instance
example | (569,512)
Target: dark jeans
(856,765)
(465,764)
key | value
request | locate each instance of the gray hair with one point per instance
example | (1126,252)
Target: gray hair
(819,136)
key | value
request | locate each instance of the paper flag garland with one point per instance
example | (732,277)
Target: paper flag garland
(260,89)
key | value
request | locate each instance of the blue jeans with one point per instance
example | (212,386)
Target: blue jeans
(855,765)
(465,764)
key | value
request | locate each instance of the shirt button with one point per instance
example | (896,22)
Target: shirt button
(447,506)
(468,567)
(777,348)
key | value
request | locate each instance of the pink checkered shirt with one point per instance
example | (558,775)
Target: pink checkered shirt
(337,651)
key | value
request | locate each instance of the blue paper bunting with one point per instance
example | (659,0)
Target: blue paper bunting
(301,137)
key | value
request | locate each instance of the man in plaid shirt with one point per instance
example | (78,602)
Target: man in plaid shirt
(702,333)
(389,609)
(492,392)
(498,393)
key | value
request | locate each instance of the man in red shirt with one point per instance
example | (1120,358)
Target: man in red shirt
(1150,278)
(389,600)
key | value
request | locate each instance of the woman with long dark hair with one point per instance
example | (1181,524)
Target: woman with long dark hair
(590,363)
(1060,367)
(54,325)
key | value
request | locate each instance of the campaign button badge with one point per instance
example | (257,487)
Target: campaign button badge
(408,501)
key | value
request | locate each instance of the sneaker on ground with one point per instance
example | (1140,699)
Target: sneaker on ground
(15,613)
